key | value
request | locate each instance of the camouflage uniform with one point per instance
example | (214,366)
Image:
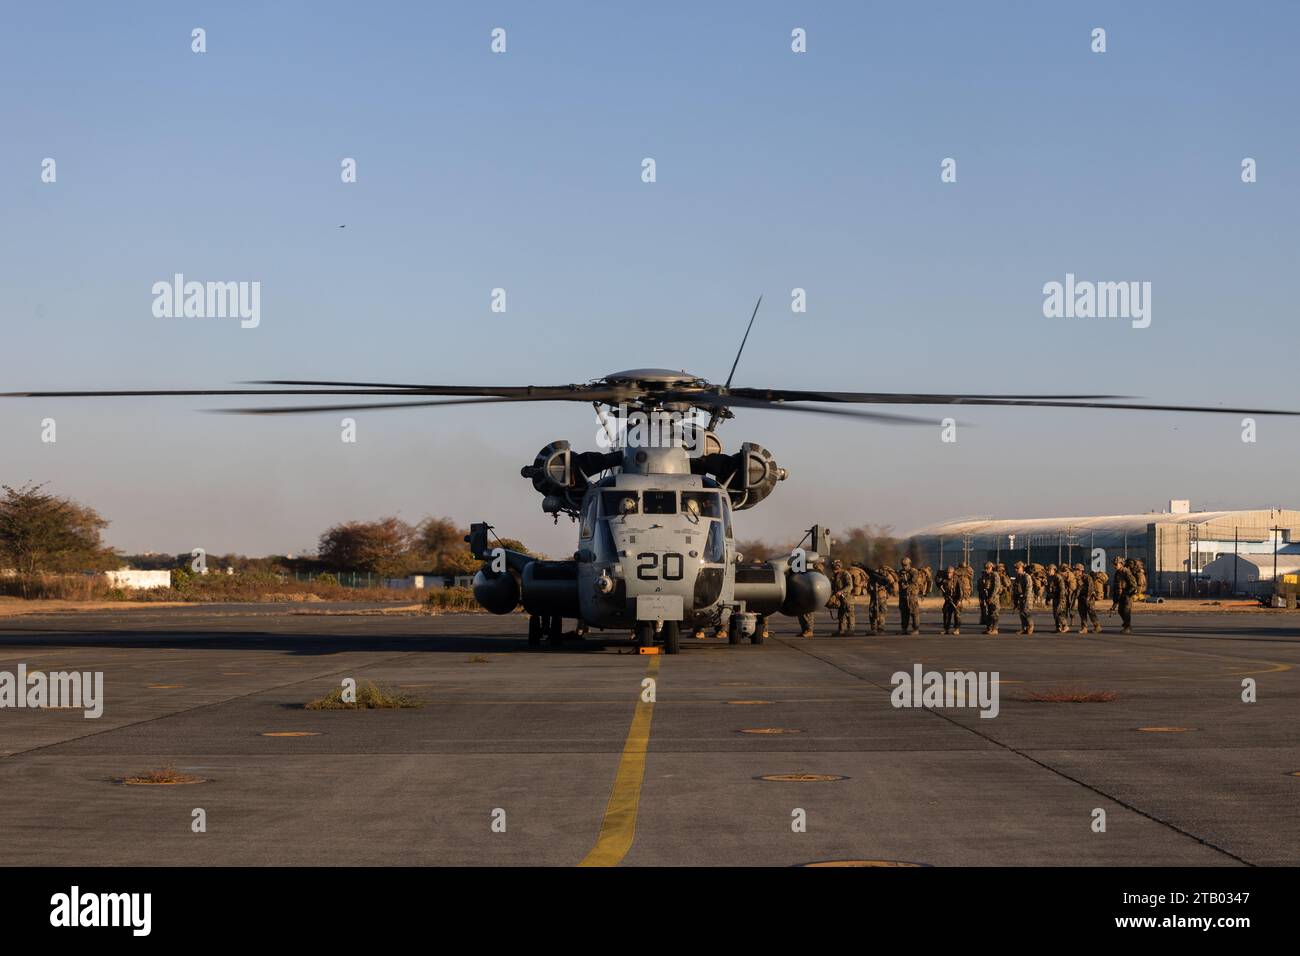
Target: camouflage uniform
(925,581)
(1122,590)
(950,586)
(1005,579)
(1139,571)
(908,598)
(1071,592)
(967,575)
(1057,590)
(1022,594)
(879,588)
(842,591)
(990,591)
(1087,595)
(859,579)
(1038,575)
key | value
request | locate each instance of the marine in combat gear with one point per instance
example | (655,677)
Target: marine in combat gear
(880,587)
(951,587)
(1123,589)
(1086,600)
(1022,596)
(990,592)
(909,599)
(842,598)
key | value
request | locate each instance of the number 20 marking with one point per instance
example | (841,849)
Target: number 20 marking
(674,566)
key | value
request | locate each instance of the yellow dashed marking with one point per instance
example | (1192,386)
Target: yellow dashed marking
(1165,730)
(618,826)
(290,733)
(801,777)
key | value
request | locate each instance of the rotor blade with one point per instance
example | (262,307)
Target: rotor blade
(578,391)
(1050,401)
(144,392)
(900,398)
(308,409)
(883,418)
(743,341)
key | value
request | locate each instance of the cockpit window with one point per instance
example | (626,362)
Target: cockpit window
(619,503)
(660,502)
(715,551)
(588,517)
(708,503)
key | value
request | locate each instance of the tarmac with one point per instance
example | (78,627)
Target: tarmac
(560,756)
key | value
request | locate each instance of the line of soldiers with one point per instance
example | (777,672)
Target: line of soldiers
(1066,589)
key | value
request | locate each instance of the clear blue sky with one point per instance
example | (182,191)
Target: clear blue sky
(522,170)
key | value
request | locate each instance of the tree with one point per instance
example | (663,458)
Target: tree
(382,547)
(442,545)
(41,532)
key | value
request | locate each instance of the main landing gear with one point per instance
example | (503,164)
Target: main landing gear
(545,625)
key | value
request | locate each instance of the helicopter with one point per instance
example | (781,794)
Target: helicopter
(656,550)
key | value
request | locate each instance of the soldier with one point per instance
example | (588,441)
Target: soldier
(859,579)
(908,599)
(842,592)
(1056,596)
(967,575)
(1038,574)
(1122,589)
(1087,595)
(879,588)
(1022,593)
(925,581)
(806,620)
(1071,595)
(1005,579)
(1139,571)
(950,586)
(990,591)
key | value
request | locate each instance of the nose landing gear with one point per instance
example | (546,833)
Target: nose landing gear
(670,631)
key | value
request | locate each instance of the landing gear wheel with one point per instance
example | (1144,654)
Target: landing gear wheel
(760,630)
(733,632)
(672,637)
(534,630)
(645,633)
(554,630)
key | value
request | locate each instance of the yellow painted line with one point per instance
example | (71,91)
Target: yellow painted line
(618,826)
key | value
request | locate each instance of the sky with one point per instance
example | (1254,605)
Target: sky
(522,170)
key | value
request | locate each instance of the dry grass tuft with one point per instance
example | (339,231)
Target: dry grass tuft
(369,697)
(166,774)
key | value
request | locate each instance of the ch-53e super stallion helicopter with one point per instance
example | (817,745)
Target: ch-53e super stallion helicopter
(656,550)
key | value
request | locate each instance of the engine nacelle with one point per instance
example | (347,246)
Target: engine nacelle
(552,471)
(748,475)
